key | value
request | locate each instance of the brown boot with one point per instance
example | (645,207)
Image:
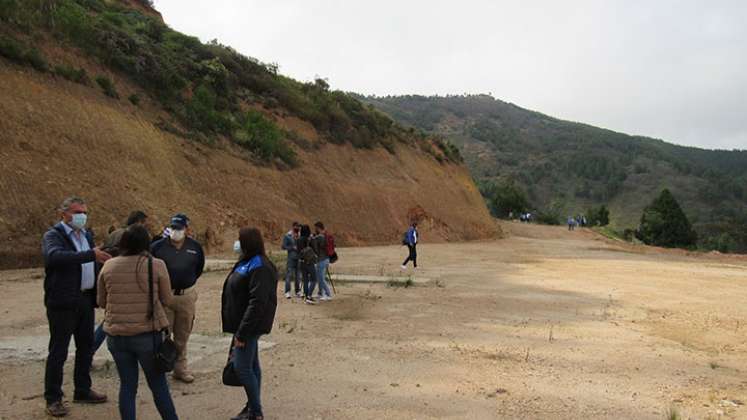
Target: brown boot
(185,377)
(92,397)
(57,409)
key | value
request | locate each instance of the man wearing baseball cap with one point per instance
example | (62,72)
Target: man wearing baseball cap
(185,261)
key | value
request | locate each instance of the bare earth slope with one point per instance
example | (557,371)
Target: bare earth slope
(543,324)
(59,138)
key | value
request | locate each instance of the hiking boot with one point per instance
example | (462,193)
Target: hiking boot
(287,295)
(243,415)
(185,377)
(57,409)
(91,397)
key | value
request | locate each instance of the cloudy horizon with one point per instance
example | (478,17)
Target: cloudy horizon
(672,70)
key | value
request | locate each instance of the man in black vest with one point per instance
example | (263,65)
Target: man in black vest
(71,263)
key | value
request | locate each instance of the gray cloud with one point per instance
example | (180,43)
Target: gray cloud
(668,69)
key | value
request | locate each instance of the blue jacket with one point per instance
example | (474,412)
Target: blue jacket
(411,236)
(289,244)
(62,269)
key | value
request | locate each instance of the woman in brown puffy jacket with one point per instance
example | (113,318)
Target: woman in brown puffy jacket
(132,332)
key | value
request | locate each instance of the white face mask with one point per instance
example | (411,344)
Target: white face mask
(177,235)
(79,220)
(237,247)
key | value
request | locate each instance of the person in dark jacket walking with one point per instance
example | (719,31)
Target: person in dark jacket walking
(307,264)
(71,264)
(411,240)
(249,302)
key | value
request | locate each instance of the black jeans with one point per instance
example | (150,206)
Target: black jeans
(63,324)
(412,257)
(308,276)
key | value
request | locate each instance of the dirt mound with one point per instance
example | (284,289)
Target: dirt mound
(60,138)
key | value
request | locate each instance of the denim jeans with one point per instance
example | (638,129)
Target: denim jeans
(98,337)
(128,351)
(321,275)
(308,275)
(246,364)
(292,272)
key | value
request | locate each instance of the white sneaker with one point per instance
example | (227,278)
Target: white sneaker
(287,295)
(299,295)
(404,267)
(325,298)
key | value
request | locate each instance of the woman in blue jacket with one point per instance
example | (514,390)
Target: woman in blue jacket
(248,309)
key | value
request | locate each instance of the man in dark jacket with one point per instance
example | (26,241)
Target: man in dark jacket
(185,261)
(291,272)
(71,263)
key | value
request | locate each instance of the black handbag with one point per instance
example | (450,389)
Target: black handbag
(164,353)
(230,377)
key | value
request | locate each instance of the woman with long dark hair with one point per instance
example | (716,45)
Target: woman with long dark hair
(132,323)
(248,309)
(307,264)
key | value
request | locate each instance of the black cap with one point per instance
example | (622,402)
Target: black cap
(179,221)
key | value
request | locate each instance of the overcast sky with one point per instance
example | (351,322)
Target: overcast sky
(675,70)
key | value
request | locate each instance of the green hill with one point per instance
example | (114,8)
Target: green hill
(570,166)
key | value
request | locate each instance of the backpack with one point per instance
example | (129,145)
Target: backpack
(308,256)
(331,253)
(405,240)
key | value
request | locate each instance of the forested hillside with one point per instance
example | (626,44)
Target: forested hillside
(566,167)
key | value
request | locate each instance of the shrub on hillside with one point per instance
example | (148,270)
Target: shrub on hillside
(264,139)
(663,223)
(134,99)
(598,216)
(72,74)
(107,86)
(17,52)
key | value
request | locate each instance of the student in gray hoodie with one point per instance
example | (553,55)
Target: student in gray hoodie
(290,244)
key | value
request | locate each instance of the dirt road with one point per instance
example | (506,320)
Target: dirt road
(542,324)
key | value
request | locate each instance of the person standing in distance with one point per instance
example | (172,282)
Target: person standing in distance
(71,264)
(411,240)
(291,271)
(319,243)
(185,261)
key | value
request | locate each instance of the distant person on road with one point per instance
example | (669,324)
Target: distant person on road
(307,264)
(411,240)
(133,323)
(248,306)
(111,245)
(319,243)
(290,244)
(185,261)
(71,264)
(571,223)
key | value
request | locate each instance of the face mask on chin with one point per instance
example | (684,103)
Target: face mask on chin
(237,247)
(177,235)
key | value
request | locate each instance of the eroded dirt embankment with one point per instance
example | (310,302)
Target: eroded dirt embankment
(61,139)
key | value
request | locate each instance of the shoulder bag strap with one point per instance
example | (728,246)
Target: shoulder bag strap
(151,303)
